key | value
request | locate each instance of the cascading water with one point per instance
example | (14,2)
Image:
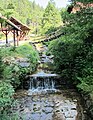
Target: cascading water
(41,83)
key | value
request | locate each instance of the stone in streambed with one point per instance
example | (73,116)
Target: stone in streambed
(48,110)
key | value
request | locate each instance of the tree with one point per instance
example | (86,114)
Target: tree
(73,52)
(21,9)
(51,17)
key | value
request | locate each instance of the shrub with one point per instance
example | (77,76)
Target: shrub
(13,71)
(6,95)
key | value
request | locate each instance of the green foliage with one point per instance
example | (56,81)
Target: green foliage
(29,52)
(22,10)
(63,12)
(51,17)
(13,71)
(6,95)
(1,68)
(13,116)
(73,52)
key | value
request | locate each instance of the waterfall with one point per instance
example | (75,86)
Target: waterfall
(42,82)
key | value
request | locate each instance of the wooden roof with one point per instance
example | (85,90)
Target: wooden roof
(18,23)
(9,23)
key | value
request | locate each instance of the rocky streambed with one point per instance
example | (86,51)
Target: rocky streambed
(62,105)
(38,104)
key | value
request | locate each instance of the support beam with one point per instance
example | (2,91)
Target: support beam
(6,37)
(1,25)
(17,38)
(6,34)
(14,37)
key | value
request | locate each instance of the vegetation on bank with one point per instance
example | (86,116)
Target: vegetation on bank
(73,52)
(13,71)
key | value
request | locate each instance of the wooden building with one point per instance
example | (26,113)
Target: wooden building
(24,29)
(6,26)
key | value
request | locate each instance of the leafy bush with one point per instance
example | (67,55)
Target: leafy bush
(73,53)
(29,52)
(13,71)
(6,95)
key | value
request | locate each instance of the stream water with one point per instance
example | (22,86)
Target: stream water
(44,100)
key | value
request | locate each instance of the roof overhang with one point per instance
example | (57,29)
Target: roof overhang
(18,23)
(10,23)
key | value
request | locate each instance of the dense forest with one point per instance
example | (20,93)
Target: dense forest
(73,52)
(24,10)
(32,14)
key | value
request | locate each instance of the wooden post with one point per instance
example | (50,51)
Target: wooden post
(1,25)
(17,38)
(19,35)
(14,38)
(6,37)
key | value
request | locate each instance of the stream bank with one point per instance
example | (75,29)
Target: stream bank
(88,103)
(44,99)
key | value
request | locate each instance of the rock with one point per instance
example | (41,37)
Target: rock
(48,110)
(68,114)
(39,61)
(58,110)
(49,105)
(24,64)
(84,112)
(27,116)
(21,110)
(36,107)
(74,100)
(35,116)
(73,113)
(67,101)
(58,104)
(58,116)
(26,110)
(51,56)
(46,116)
(70,119)
(73,108)
(65,109)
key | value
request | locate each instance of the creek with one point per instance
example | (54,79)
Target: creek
(47,96)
